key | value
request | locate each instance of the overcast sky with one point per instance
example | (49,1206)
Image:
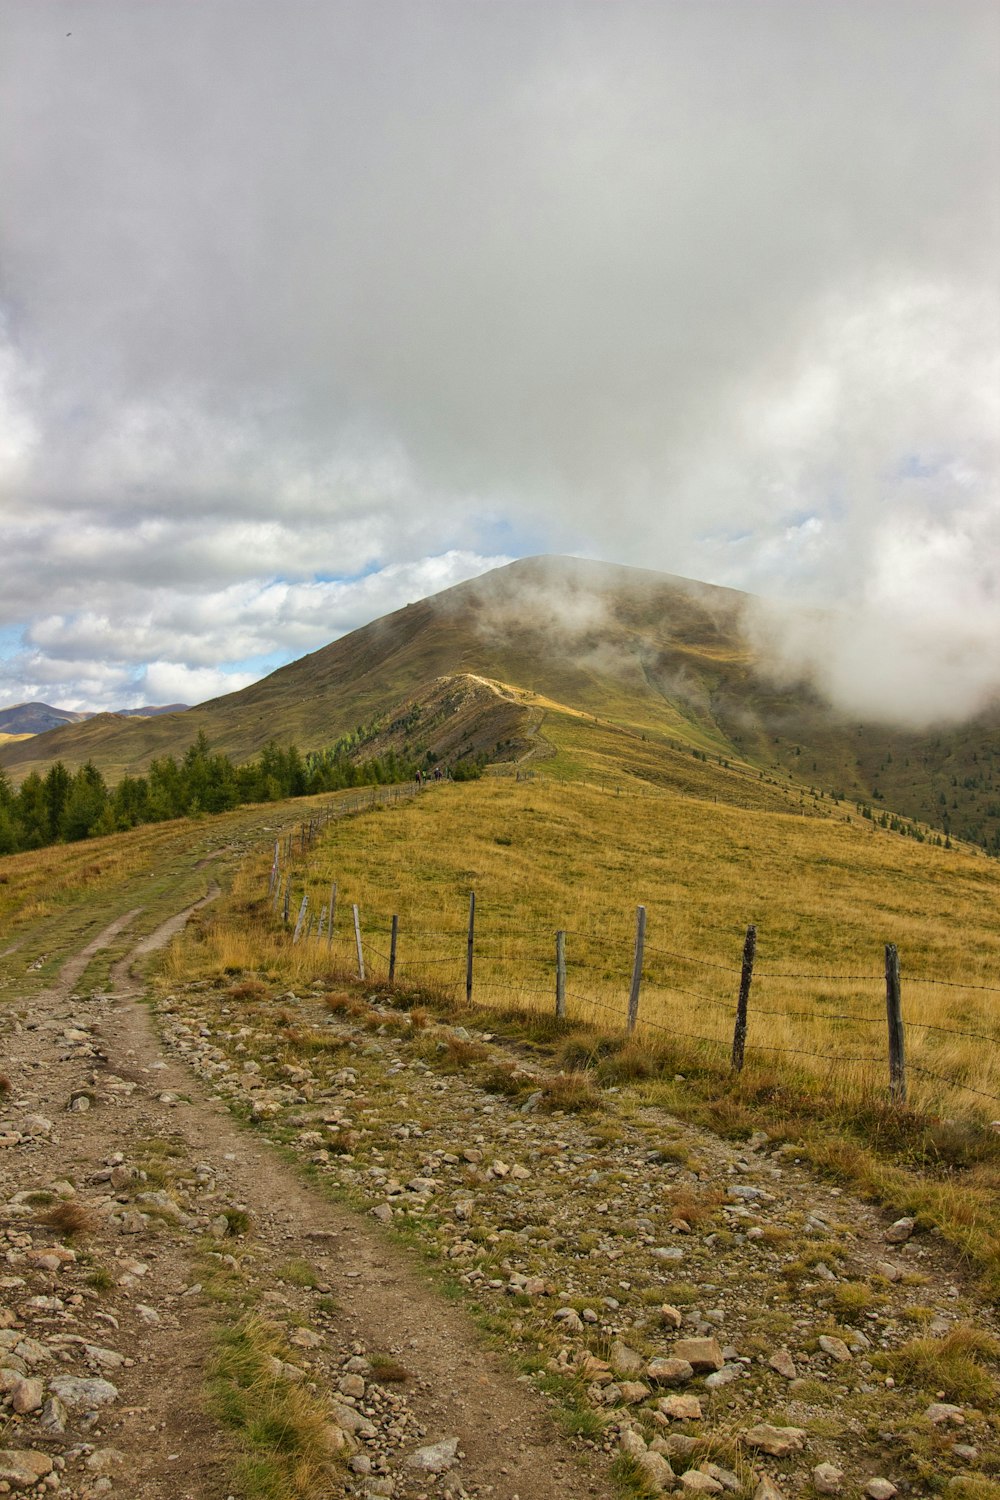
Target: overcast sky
(309,309)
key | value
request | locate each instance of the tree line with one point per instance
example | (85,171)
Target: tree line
(64,806)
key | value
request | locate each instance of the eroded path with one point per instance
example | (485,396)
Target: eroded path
(160,1201)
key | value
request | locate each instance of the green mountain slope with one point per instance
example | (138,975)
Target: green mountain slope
(661,659)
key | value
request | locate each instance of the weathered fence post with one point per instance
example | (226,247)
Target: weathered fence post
(288,897)
(746,979)
(333,913)
(319,923)
(894,1016)
(302,917)
(357,940)
(560,974)
(468,951)
(393,939)
(640,943)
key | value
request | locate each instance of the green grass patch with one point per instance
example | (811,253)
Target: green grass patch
(281,1431)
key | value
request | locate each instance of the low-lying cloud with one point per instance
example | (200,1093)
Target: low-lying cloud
(294,299)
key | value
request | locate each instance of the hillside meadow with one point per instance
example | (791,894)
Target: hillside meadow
(825,895)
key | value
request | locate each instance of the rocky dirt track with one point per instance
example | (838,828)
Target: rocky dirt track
(715,1318)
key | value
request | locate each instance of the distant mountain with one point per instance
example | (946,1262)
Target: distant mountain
(485,667)
(36,718)
(150,712)
(39,718)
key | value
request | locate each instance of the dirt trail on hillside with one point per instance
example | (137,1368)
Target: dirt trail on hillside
(95,1099)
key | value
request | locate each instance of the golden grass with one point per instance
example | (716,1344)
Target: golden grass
(282,1430)
(825,896)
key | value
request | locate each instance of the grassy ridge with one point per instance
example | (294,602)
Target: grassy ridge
(649,654)
(825,895)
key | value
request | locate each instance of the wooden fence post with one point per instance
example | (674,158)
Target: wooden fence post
(560,974)
(357,940)
(746,979)
(894,1016)
(468,951)
(640,943)
(302,917)
(393,938)
(333,913)
(288,897)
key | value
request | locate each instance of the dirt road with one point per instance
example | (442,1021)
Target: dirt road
(94,1102)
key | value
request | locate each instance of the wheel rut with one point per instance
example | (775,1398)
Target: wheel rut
(116,1104)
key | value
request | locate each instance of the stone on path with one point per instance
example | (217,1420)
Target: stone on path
(662,1371)
(836,1348)
(940,1412)
(680,1408)
(27,1396)
(880,1489)
(698,1483)
(828,1479)
(656,1471)
(782,1362)
(899,1233)
(435,1458)
(703,1355)
(778,1441)
(81,1394)
(767,1490)
(22,1468)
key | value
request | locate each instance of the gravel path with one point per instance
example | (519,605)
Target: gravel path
(105,1335)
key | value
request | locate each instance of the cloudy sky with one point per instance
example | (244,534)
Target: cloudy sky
(310,309)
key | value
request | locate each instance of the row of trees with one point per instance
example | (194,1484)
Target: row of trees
(64,806)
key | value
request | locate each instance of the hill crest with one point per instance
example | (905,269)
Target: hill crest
(664,659)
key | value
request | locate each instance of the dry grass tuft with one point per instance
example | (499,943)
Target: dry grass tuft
(954,1364)
(388,1371)
(248,989)
(573,1093)
(282,1429)
(70,1219)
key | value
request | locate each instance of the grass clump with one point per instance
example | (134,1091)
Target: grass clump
(70,1219)
(573,1093)
(387,1370)
(101,1279)
(238,1221)
(282,1431)
(954,1364)
(298,1273)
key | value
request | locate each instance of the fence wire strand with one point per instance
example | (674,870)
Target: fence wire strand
(662,988)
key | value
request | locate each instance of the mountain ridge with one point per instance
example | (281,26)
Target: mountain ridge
(665,658)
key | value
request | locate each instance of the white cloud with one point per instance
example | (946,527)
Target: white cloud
(168,646)
(295,297)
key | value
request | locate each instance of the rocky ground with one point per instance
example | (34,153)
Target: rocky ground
(692,1313)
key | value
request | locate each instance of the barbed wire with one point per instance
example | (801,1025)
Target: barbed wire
(952,1082)
(661,987)
(952,984)
(839,1057)
(975,1036)
(674,989)
(821,978)
(704,963)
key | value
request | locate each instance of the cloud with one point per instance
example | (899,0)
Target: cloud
(166,646)
(705,288)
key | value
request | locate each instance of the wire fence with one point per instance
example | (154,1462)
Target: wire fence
(826,1023)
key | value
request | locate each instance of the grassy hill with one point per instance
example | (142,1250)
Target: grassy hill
(659,663)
